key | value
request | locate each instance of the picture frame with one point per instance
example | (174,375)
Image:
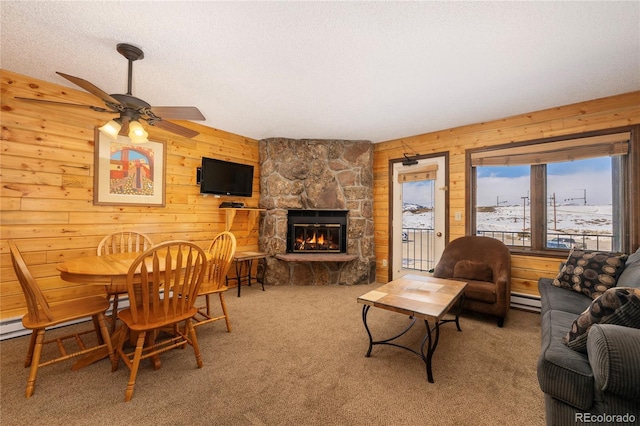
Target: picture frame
(128,174)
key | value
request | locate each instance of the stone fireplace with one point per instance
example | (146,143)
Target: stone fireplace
(318,224)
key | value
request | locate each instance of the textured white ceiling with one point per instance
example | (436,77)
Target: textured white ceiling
(348,70)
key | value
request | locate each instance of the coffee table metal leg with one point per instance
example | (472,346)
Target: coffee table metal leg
(365,310)
(456,319)
(430,339)
(459,311)
(431,347)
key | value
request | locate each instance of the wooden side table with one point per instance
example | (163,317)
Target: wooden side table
(244,265)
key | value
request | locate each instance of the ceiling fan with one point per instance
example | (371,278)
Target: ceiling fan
(130,108)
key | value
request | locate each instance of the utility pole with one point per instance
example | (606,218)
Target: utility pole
(552,202)
(524,213)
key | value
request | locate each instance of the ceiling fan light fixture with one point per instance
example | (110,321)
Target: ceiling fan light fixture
(137,134)
(111,129)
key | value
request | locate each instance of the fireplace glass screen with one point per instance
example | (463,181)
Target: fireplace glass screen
(317,238)
(317,231)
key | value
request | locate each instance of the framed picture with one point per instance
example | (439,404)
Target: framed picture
(128,174)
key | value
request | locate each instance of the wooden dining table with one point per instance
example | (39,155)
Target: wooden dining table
(107,270)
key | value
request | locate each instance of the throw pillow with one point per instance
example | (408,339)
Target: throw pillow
(618,305)
(590,273)
(472,270)
(630,277)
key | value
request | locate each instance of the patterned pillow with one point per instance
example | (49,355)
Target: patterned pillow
(590,273)
(618,305)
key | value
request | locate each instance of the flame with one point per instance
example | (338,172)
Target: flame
(315,240)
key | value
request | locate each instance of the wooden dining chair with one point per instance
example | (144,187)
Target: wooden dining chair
(162,285)
(121,242)
(221,251)
(41,315)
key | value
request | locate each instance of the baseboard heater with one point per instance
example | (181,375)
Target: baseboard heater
(526,302)
(12,327)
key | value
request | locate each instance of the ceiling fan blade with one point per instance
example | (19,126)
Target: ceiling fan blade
(95,108)
(175,128)
(178,112)
(90,87)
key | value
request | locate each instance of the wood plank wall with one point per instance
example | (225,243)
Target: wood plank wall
(46,173)
(46,197)
(606,113)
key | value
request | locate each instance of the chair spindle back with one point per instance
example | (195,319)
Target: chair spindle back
(222,249)
(124,242)
(165,280)
(37,305)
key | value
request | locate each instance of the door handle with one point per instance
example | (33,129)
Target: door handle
(439,234)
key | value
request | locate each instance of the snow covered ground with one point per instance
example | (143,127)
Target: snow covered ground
(583,223)
(568,219)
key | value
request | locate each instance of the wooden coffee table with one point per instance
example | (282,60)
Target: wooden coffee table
(421,297)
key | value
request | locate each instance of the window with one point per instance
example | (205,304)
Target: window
(418,224)
(555,195)
(580,210)
(503,208)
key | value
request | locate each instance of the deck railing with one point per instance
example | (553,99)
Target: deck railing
(418,244)
(418,249)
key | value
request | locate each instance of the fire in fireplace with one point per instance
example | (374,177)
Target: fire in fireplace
(316,238)
(317,231)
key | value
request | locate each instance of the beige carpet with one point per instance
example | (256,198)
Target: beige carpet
(296,357)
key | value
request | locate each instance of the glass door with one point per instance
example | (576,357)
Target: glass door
(419,233)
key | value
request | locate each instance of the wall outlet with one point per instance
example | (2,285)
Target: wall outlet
(458,215)
(384,263)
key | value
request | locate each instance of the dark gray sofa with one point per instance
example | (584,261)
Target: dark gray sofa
(601,384)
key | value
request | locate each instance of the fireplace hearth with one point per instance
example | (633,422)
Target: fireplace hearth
(317,231)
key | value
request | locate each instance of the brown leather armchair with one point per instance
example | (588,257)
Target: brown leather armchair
(485,263)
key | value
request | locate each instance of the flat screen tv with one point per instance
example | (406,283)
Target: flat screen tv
(226,178)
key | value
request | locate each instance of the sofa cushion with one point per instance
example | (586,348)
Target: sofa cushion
(564,374)
(556,298)
(590,273)
(618,305)
(630,276)
(473,270)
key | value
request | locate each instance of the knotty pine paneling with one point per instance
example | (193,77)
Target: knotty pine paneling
(46,170)
(598,114)
(46,195)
